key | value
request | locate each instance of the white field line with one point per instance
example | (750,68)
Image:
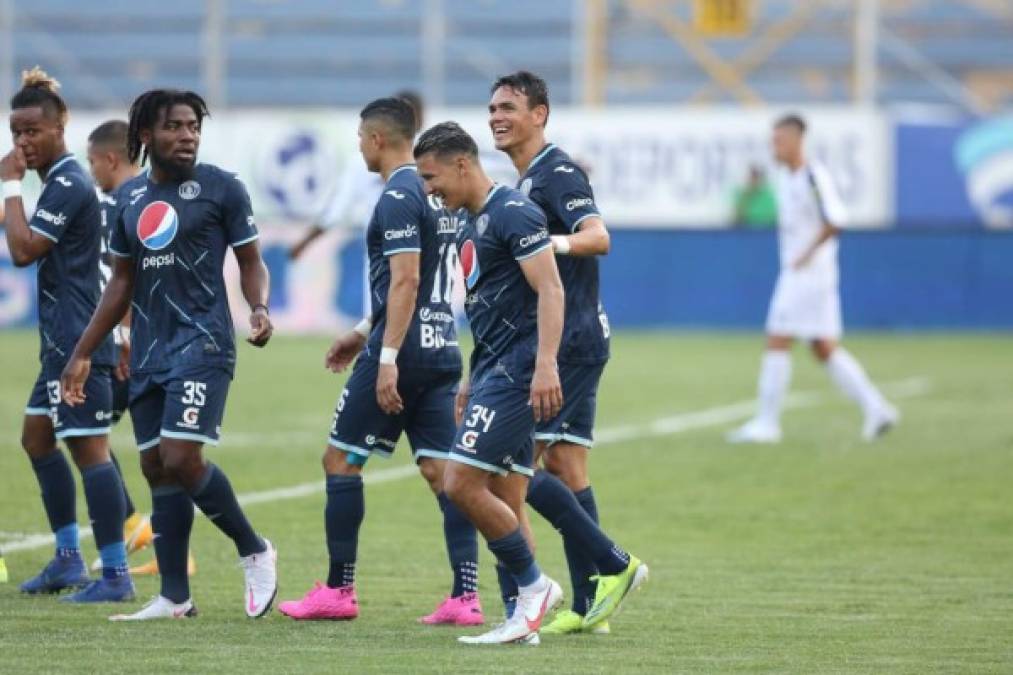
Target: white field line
(664,426)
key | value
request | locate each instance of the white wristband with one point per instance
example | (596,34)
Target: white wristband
(12,188)
(388,356)
(363,327)
(561,244)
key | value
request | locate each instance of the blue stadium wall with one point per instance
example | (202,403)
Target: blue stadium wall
(898,279)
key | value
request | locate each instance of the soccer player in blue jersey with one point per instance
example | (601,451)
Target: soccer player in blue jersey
(107,160)
(518,113)
(515,306)
(62,238)
(110,165)
(169,242)
(406,374)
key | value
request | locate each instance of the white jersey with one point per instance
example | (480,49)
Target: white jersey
(806,199)
(353,201)
(806,303)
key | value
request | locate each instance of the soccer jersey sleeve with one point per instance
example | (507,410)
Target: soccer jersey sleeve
(827,198)
(119,245)
(569,195)
(400,214)
(523,229)
(240,226)
(58,206)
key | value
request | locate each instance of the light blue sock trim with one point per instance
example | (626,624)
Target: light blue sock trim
(68,537)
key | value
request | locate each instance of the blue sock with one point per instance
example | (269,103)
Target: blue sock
(550,497)
(507,589)
(172,520)
(126,493)
(515,554)
(214,496)
(346,507)
(462,547)
(59,498)
(582,568)
(104,493)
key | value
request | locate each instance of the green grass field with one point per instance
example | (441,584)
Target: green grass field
(822,554)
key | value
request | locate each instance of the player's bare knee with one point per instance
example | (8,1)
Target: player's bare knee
(432,471)
(88,451)
(183,466)
(151,467)
(823,349)
(338,463)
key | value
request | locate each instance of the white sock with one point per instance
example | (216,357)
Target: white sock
(775,375)
(848,375)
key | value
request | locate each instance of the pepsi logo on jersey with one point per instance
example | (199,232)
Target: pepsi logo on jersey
(469,263)
(157,225)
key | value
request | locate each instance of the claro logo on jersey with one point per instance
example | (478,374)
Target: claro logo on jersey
(157,226)
(577,203)
(408,231)
(533,239)
(469,263)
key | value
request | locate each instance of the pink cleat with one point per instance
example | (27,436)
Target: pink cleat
(321,602)
(464,610)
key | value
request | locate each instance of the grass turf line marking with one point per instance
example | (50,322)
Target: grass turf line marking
(663,426)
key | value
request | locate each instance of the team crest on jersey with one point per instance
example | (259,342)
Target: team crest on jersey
(157,226)
(482,224)
(189,189)
(526,186)
(469,263)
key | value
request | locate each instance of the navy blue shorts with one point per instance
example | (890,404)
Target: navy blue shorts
(121,398)
(362,429)
(575,422)
(91,418)
(186,402)
(496,434)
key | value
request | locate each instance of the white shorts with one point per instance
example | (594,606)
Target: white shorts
(806,305)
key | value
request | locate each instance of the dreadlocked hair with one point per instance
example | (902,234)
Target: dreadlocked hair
(38,90)
(144,112)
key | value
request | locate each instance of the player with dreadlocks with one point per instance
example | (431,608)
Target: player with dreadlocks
(62,237)
(169,242)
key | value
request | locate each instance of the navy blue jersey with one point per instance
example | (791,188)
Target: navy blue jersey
(110,204)
(177,235)
(68,276)
(561,189)
(405,220)
(502,307)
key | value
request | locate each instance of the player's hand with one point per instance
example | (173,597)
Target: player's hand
(72,380)
(386,389)
(13,166)
(461,400)
(261,327)
(546,391)
(343,351)
(803,261)
(122,370)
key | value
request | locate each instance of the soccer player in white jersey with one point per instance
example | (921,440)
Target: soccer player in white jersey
(806,303)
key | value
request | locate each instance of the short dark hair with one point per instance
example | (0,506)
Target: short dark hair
(144,112)
(446,139)
(414,99)
(38,89)
(791,120)
(526,83)
(111,135)
(396,113)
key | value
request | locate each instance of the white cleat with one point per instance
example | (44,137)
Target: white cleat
(880,422)
(261,570)
(522,627)
(755,431)
(160,607)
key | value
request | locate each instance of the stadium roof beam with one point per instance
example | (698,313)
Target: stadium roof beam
(719,70)
(764,47)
